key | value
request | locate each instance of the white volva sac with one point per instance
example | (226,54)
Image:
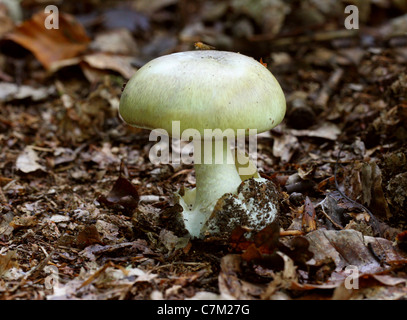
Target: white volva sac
(221,91)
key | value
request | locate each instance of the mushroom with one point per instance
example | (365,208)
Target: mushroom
(220,92)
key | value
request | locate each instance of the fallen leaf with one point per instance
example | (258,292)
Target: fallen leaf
(27,161)
(327,130)
(7,262)
(128,248)
(263,248)
(51,45)
(389,280)
(285,146)
(267,239)
(116,41)
(171,241)
(351,248)
(298,250)
(123,195)
(120,64)
(88,236)
(23,221)
(251,253)
(230,285)
(12,91)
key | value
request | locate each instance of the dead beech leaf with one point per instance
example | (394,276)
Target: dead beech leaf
(285,146)
(51,45)
(23,222)
(88,236)
(264,241)
(327,130)
(298,251)
(389,280)
(351,248)
(115,41)
(124,249)
(27,161)
(262,249)
(267,239)
(8,261)
(251,253)
(13,91)
(123,196)
(237,240)
(230,285)
(106,61)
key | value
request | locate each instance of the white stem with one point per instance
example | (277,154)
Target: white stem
(215,176)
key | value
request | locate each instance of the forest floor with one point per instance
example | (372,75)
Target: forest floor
(84,214)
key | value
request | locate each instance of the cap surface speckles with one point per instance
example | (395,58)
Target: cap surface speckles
(203,90)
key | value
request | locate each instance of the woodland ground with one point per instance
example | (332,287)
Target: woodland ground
(84,214)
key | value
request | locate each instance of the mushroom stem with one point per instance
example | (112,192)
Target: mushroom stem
(216,175)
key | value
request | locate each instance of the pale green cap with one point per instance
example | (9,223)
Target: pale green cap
(203,89)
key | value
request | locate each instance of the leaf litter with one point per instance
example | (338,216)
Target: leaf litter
(84,214)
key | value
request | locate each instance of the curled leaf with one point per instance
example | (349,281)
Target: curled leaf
(123,196)
(51,45)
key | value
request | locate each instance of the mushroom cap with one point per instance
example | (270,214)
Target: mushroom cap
(204,89)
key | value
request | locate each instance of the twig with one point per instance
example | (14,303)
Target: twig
(96,274)
(39,267)
(285,233)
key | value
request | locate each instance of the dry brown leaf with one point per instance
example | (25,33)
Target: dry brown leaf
(123,196)
(103,61)
(23,221)
(116,41)
(51,45)
(27,161)
(230,286)
(13,91)
(327,130)
(351,248)
(8,261)
(88,236)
